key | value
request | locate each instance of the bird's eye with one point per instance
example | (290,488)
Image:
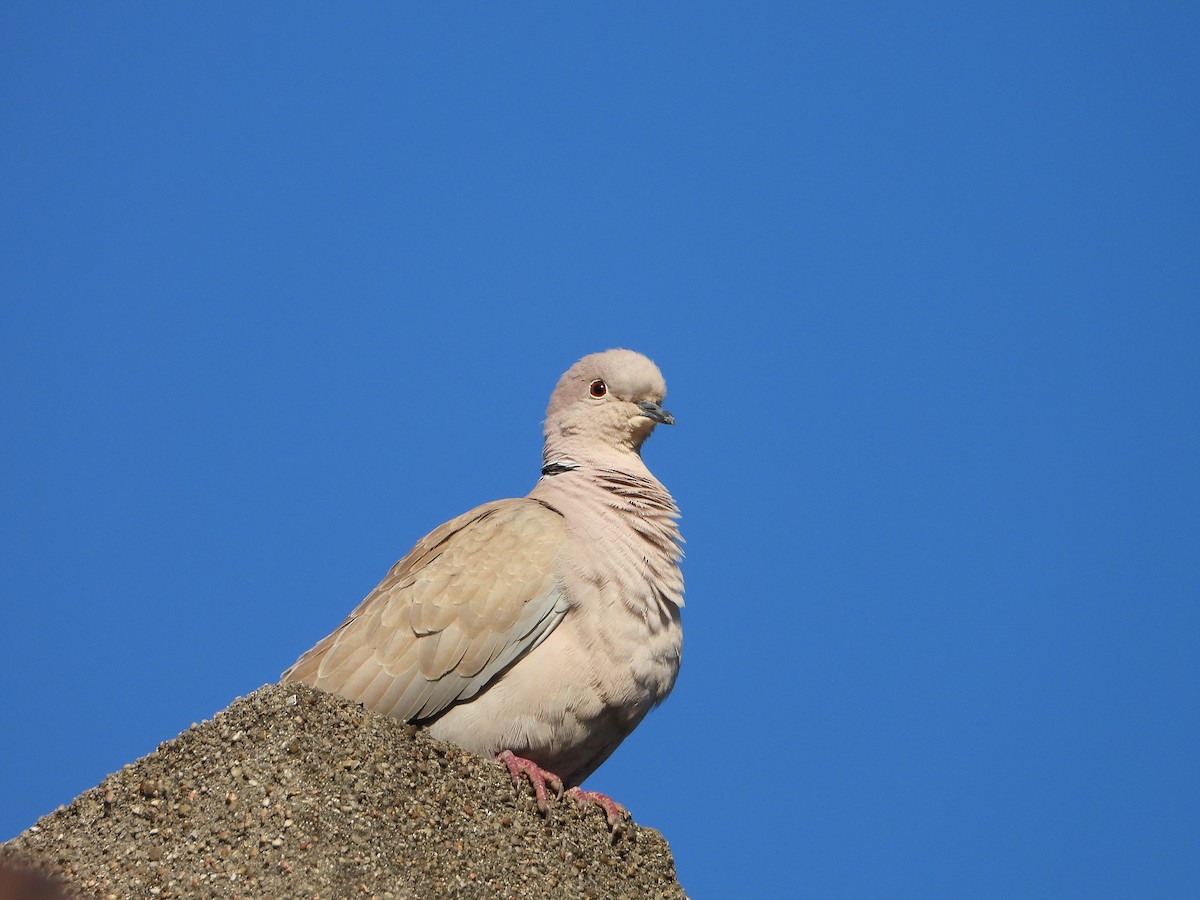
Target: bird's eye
(598,388)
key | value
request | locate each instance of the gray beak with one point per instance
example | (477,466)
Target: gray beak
(652,410)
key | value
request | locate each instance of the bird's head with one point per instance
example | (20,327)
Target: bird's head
(609,400)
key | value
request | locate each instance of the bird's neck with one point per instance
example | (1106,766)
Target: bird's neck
(565,454)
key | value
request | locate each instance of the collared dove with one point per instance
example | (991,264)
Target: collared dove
(539,630)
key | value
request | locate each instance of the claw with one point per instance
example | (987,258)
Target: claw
(613,811)
(538,777)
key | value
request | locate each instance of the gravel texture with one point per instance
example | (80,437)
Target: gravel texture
(294,793)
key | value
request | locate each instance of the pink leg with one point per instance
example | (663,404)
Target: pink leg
(537,776)
(613,811)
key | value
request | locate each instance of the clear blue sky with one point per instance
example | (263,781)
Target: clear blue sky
(285,287)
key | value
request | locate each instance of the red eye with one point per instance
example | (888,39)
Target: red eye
(598,388)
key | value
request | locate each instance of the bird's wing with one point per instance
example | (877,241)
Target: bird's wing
(470,598)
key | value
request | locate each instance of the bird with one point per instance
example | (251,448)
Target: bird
(538,630)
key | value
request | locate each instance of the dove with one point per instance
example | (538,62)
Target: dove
(539,630)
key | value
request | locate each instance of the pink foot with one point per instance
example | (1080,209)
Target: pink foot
(537,776)
(613,811)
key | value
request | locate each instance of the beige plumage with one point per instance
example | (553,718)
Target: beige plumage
(546,626)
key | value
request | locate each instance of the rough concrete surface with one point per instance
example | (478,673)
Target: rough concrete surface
(294,793)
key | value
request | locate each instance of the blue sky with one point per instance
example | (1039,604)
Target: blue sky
(286,287)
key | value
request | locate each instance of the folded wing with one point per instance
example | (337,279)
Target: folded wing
(470,599)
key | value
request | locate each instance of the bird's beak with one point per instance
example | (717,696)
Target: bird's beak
(652,410)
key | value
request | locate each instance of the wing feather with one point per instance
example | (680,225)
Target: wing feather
(469,599)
